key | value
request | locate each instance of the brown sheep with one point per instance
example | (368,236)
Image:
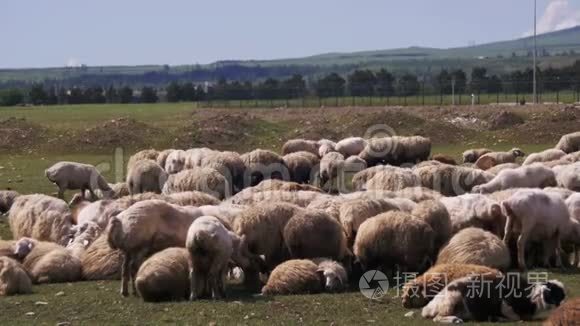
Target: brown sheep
(7,248)
(297,276)
(568,314)
(436,215)
(273,184)
(13,278)
(446,159)
(263,164)
(207,180)
(101,262)
(301,166)
(451,180)
(164,276)
(393,180)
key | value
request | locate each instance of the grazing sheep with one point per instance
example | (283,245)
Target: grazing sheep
(100,261)
(435,214)
(77,176)
(475,210)
(567,314)
(263,164)
(13,278)
(451,180)
(7,198)
(528,176)
(418,292)
(229,164)
(394,239)
(489,297)
(446,159)
(548,155)
(334,274)
(475,246)
(492,159)
(40,217)
(175,161)
(326,146)
(500,167)
(300,145)
(350,146)
(472,155)
(568,176)
(393,180)
(413,149)
(330,166)
(296,276)
(164,276)
(569,143)
(301,166)
(47,262)
(145,228)
(325,236)
(279,185)
(146,176)
(384,150)
(536,215)
(192,198)
(360,179)
(205,180)
(162,157)
(146,154)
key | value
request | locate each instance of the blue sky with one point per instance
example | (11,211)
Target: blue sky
(113,32)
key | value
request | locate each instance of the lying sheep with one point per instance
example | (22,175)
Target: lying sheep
(492,159)
(301,166)
(7,198)
(394,239)
(47,262)
(569,143)
(99,212)
(472,155)
(475,246)
(164,276)
(350,146)
(568,176)
(77,176)
(475,210)
(13,278)
(418,292)
(436,215)
(100,261)
(146,176)
(263,164)
(536,215)
(548,155)
(451,180)
(500,167)
(84,236)
(192,198)
(325,146)
(40,217)
(393,180)
(300,145)
(334,274)
(205,180)
(528,176)
(146,154)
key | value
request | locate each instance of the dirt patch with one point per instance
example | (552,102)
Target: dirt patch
(504,119)
(20,134)
(121,132)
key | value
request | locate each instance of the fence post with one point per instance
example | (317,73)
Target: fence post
(423,93)
(557,95)
(497,97)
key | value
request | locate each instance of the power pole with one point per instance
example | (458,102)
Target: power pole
(535,54)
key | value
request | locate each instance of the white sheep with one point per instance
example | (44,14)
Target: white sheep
(146,176)
(569,143)
(548,155)
(350,146)
(492,159)
(175,161)
(325,146)
(500,167)
(529,176)
(77,176)
(206,180)
(471,155)
(475,210)
(300,145)
(568,176)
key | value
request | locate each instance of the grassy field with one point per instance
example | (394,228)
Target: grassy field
(97,303)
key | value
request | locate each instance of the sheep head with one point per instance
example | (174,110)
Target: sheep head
(517,152)
(23,247)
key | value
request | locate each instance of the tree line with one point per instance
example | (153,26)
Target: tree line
(359,83)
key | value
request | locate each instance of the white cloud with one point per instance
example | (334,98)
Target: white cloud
(559,14)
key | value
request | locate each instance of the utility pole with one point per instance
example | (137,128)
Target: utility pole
(535,54)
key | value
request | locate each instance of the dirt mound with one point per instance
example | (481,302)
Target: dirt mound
(19,134)
(121,132)
(504,119)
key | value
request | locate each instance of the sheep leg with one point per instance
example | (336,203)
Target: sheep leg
(61,192)
(135,264)
(508,230)
(522,240)
(558,251)
(193,290)
(126,274)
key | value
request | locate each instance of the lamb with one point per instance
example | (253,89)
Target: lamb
(475,246)
(100,261)
(7,198)
(145,228)
(77,176)
(301,166)
(350,146)
(146,154)
(569,143)
(394,239)
(325,146)
(13,278)
(162,157)
(568,176)
(548,155)
(40,217)
(263,164)
(536,215)
(175,161)
(192,198)
(435,214)
(527,176)
(330,165)
(146,176)
(472,155)
(492,159)
(164,276)
(418,292)
(205,180)
(393,180)
(566,314)
(47,262)
(500,167)
(300,145)
(446,159)
(451,180)
(475,210)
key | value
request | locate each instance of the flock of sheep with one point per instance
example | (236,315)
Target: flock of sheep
(188,222)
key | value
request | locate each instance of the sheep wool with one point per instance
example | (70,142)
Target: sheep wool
(164,276)
(13,278)
(297,276)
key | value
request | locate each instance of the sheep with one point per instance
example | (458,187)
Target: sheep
(7,248)
(146,176)
(119,190)
(100,261)
(475,246)
(145,228)
(229,164)
(548,155)
(573,234)
(195,157)
(275,185)
(528,176)
(192,198)
(500,167)
(13,278)
(99,212)
(334,274)
(418,194)
(300,145)
(77,176)
(394,239)
(162,157)
(84,236)
(301,198)
(330,165)
(40,217)
(569,143)
(325,146)
(436,215)
(451,180)
(7,198)
(175,161)
(301,166)
(566,314)
(227,214)
(360,179)
(263,164)
(536,215)
(418,292)
(205,180)
(414,149)
(446,159)
(472,155)
(296,276)
(492,159)
(146,154)
(393,180)
(475,210)
(384,150)
(47,262)
(568,176)
(164,276)
(350,146)
(354,164)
